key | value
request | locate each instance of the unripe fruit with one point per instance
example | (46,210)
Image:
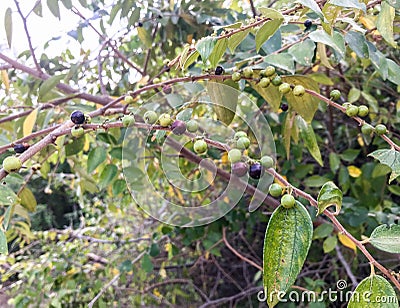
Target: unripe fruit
(299,90)
(200,146)
(308,23)
(263,73)
(219,70)
(11,164)
(192,126)
(248,72)
(236,76)
(335,95)
(287,201)
(275,190)
(128,120)
(165,119)
(239,135)
(380,129)
(128,99)
(367,129)
(363,111)
(269,71)
(256,171)
(178,127)
(156,80)
(166,61)
(284,107)
(264,82)
(277,81)
(243,143)
(150,117)
(77,131)
(352,111)
(234,155)
(239,169)
(284,88)
(20,148)
(267,161)
(77,117)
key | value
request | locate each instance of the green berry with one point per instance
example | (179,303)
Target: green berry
(77,131)
(264,82)
(236,76)
(269,71)
(267,161)
(380,129)
(128,120)
(335,94)
(363,111)
(243,143)
(352,111)
(367,129)
(248,72)
(275,190)
(277,81)
(287,201)
(150,117)
(239,135)
(156,80)
(128,99)
(192,126)
(165,119)
(299,90)
(284,88)
(200,146)
(11,164)
(263,73)
(234,155)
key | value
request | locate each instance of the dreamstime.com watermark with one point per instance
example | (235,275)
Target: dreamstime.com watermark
(329,295)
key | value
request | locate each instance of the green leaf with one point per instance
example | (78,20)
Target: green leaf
(8,25)
(38,9)
(331,12)
(270,13)
(3,243)
(48,85)
(354,95)
(147,265)
(67,4)
(95,158)
(329,244)
(266,31)
(378,60)
(390,158)
(287,131)
(322,231)
(75,147)
(393,72)
(83,3)
(271,94)
(321,36)
(28,200)
(107,175)
(286,244)
(135,15)
(7,196)
(329,195)
(370,293)
(284,61)
(205,47)
(218,51)
(145,37)
(357,43)
(334,162)
(394,3)
(309,139)
(7,216)
(384,23)
(349,3)
(54,7)
(386,238)
(224,98)
(236,39)
(303,52)
(118,187)
(311,4)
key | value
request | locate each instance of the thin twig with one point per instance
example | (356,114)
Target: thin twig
(346,267)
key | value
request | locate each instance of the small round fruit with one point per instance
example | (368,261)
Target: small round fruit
(335,94)
(239,135)
(256,171)
(308,24)
(239,169)
(165,119)
(236,76)
(166,61)
(128,120)
(363,111)
(264,82)
(150,117)
(299,90)
(269,70)
(284,88)
(20,147)
(77,117)
(284,107)
(243,143)
(367,129)
(234,155)
(263,73)
(178,127)
(200,146)
(277,81)
(275,190)
(192,126)
(287,201)
(352,111)
(77,131)
(219,70)
(267,161)
(11,164)
(128,99)
(380,129)
(248,72)
(167,89)
(139,24)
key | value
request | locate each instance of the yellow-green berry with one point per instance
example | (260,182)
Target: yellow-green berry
(269,71)
(267,161)
(363,111)
(248,72)
(284,88)
(128,120)
(11,164)
(299,90)
(287,201)
(200,146)
(367,129)
(165,119)
(128,99)
(236,76)
(234,155)
(264,82)
(380,129)
(150,117)
(335,94)
(277,81)
(77,131)
(275,190)
(352,111)
(243,143)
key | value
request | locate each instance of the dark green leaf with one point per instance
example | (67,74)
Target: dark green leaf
(224,98)
(303,52)
(7,195)
(67,4)
(322,231)
(390,158)
(284,61)
(147,265)
(393,72)
(266,31)
(384,23)
(309,139)
(357,43)
(83,3)
(107,175)
(205,47)
(8,25)
(54,7)
(75,147)
(38,9)
(329,244)
(135,15)
(386,238)
(329,195)
(192,58)
(334,162)
(3,243)
(95,158)
(218,51)
(118,187)
(270,13)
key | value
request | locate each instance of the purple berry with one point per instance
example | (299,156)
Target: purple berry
(308,23)
(167,89)
(219,70)
(77,117)
(20,148)
(239,169)
(284,107)
(256,171)
(178,127)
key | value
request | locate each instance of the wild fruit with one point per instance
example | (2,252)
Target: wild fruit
(269,71)
(335,95)
(239,135)
(264,82)
(380,129)
(263,73)
(20,147)
(284,107)
(165,119)
(239,169)
(363,111)
(367,129)
(352,111)
(308,24)
(128,120)
(277,81)
(178,127)
(234,155)
(255,171)
(275,190)
(267,161)
(77,131)
(150,117)
(219,70)
(167,89)
(248,72)
(299,90)
(200,146)
(128,99)
(77,117)
(243,143)
(287,201)
(139,24)
(284,88)
(236,76)
(192,126)
(11,164)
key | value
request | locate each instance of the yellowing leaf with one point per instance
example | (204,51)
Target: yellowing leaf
(30,122)
(354,171)
(347,242)
(367,22)
(5,79)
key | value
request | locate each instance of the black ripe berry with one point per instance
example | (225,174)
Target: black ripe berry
(139,24)
(219,70)
(284,107)
(20,148)
(77,117)
(308,24)
(167,89)
(256,171)
(178,127)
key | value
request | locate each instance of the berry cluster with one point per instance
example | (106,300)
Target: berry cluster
(78,118)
